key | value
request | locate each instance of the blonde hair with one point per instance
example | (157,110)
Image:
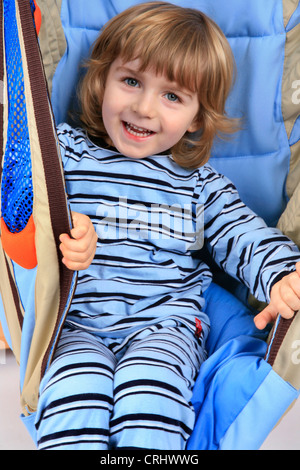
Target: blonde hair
(186,46)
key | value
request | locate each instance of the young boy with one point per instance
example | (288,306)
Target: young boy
(153,100)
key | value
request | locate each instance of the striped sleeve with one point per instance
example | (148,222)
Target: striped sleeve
(240,242)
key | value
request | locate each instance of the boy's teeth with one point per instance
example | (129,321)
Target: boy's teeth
(137,131)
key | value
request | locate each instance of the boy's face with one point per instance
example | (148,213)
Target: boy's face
(145,114)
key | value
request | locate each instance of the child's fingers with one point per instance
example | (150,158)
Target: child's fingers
(77,265)
(76,248)
(267,315)
(79,232)
(287,293)
(298,268)
(83,227)
(285,300)
(81,237)
(76,259)
(81,224)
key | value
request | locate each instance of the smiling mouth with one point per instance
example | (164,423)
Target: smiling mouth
(137,131)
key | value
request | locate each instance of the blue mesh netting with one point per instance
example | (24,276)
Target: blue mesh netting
(16,190)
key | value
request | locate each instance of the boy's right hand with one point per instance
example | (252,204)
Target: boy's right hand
(79,251)
(285,300)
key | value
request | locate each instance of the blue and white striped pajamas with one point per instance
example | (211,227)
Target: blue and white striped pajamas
(134,337)
(90,400)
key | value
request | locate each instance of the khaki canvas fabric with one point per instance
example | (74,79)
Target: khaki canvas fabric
(52,40)
(289,222)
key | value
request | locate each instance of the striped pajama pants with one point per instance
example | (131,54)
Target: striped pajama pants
(140,397)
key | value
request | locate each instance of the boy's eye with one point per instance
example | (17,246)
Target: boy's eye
(172,97)
(131,82)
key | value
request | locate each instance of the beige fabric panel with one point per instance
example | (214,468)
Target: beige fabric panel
(291,101)
(289,6)
(47,293)
(52,40)
(287,362)
(289,221)
(294,170)
(290,83)
(9,306)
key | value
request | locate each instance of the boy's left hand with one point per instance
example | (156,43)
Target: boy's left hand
(79,251)
(284,300)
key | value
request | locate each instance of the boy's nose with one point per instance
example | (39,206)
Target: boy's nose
(144,105)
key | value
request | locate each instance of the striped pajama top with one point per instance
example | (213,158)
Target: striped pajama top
(152,217)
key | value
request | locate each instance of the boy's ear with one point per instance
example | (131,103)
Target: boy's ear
(195,126)
(196,123)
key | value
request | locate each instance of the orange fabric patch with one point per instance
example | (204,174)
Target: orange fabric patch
(37,17)
(3,342)
(20,247)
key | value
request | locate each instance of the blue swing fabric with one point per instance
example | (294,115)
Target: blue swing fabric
(235,384)
(238,398)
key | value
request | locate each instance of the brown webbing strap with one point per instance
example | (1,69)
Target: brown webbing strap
(48,144)
(277,339)
(15,295)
